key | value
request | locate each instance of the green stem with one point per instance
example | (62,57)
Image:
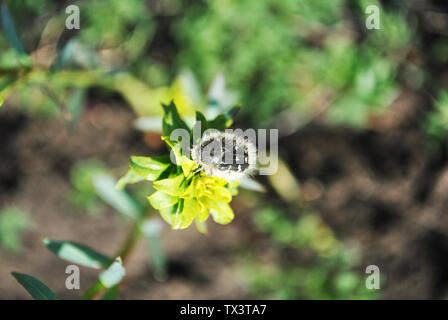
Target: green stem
(93,291)
(97,289)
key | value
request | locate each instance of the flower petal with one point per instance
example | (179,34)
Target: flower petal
(221,212)
(186,216)
(160,200)
(172,186)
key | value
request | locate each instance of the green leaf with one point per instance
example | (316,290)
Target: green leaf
(172,120)
(130,177)
(35,288)
(1,101)
(118,199)
(113,275)
(77,253)
(160,200)
(200,119)
(149,168)
(224,120)
(11,33)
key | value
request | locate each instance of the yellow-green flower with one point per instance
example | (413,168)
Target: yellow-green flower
(183,194)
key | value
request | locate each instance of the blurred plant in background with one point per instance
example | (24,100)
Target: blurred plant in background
(311,58)
(83,195)
(437,120)
(288,62)
(13,222)
(312,263)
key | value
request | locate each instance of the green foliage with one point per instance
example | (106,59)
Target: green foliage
(113,275)
(172,120)
(77,253)
(83,195)
(437,120)
(307,233)
(50,83)
(323,269)
(294,55)
(13,222)
(92,178)
(149,168)
(11,34)
(35,287)
(112,30)
(82,255)
(118,199)
(111,293)
(223,120)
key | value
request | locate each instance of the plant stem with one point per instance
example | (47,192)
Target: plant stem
(130,242)
(97,289)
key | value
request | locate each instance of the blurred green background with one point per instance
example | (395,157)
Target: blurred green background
(362,116)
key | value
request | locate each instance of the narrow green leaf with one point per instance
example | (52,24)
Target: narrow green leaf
(224,120)
(203,123)
(77,253)
(35,288)
(118,199)
(149,168)
(11,33)
(172,119)
(113,275)
(202,120)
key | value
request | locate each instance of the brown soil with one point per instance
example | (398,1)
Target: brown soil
(386,189)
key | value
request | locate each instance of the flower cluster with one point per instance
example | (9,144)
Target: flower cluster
(183,193)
